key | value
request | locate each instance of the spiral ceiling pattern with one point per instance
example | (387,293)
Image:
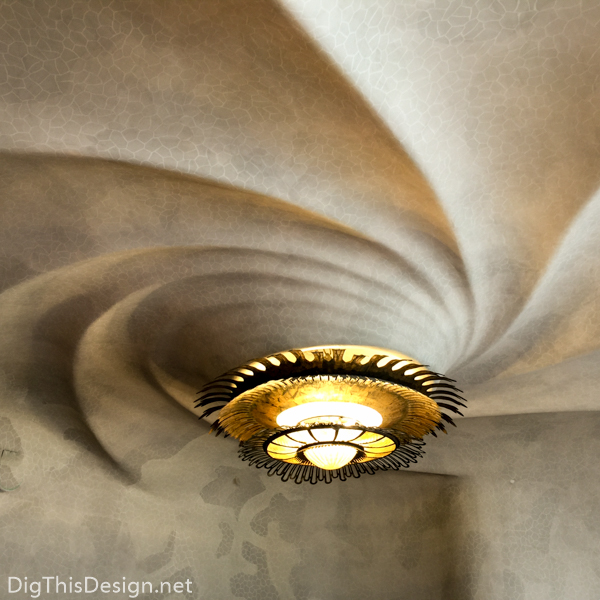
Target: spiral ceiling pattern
(186,186)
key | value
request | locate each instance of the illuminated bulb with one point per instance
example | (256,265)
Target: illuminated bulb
(365,415)
(330,456)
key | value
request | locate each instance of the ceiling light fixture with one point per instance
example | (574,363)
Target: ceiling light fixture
(316,414)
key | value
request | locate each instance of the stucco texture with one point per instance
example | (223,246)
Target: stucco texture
(185,186)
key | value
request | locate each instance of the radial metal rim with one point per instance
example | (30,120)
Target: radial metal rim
(412,399)
(402,457)
(361,362)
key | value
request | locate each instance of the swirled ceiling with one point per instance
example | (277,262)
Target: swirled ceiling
(188,185)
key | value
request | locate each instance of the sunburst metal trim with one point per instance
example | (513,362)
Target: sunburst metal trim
(402,457)
(255,410)
(412,399)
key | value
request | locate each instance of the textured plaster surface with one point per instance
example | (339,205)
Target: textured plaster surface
(185,186)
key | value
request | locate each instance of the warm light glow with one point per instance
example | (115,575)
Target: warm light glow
(326,412)
(325,440)
(330,456)
(364,415)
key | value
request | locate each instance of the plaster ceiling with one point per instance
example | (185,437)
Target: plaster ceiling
(186,186)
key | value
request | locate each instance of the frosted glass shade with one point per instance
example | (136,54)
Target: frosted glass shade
(330,456)
(366,445)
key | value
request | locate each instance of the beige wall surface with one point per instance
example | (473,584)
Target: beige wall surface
(187,185)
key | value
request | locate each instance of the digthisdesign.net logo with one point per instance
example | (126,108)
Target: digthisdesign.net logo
(91,585)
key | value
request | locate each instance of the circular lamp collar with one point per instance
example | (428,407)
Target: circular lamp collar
(315,414)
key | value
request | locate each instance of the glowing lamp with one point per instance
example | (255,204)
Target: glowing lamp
(329,456)
(316,414)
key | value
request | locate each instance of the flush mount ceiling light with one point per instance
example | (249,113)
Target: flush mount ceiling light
(315,414)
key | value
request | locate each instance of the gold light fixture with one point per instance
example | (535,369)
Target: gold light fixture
(315,414)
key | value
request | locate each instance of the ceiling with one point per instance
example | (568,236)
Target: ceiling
(186,186)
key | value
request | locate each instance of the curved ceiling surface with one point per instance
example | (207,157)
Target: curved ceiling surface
(186,186)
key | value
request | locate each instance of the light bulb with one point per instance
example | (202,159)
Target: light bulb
(365,415)
(330,456)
